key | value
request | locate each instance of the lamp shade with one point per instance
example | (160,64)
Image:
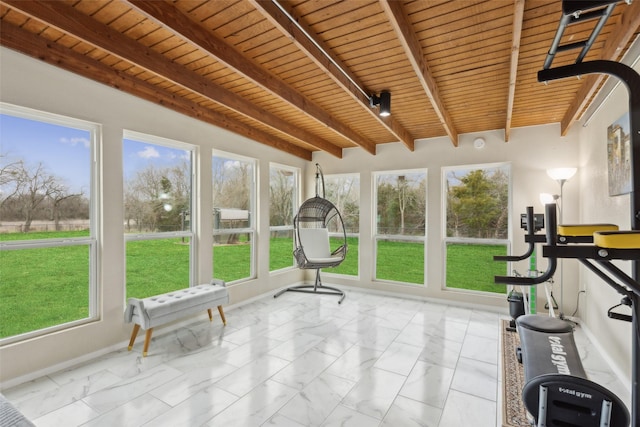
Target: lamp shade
(561,173)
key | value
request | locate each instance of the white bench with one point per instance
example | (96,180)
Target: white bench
(150,312)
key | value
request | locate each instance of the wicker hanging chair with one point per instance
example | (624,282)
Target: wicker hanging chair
(316,220)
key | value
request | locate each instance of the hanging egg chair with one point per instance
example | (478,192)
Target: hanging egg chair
(316,221)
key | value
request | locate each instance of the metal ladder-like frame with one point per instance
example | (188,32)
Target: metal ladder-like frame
(574,12)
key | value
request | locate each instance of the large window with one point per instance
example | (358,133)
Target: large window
(344,192)
(477,224)
(283,203)
(401,200)
(158,214)
(48,234)
(234,201)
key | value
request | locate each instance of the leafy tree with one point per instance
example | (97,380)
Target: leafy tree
(401,204)
(477,207)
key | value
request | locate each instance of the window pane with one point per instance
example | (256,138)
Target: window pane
(157,266)
(232,192)
(232,260)
(39,192)
(344,192)
(233,203)
(43,287)
(157,187)
(282,196)
(401,199)
(43,199)
(471,266)
(478,203)
(400,261)
(280,249)
(283,203)
(350,264)
(477,215)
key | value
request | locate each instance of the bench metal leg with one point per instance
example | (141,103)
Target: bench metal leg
(542,407)
(224,321)
(134,334)
(147,340)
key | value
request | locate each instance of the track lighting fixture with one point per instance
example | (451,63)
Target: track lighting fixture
(384,101)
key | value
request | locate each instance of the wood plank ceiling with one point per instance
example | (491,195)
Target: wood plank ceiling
(297,75)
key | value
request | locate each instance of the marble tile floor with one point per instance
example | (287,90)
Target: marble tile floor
(298,360)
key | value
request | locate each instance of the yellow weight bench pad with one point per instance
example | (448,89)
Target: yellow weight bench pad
(581,230)
(617,239)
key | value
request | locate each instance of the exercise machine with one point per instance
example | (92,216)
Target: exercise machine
(557,391)
(609,245)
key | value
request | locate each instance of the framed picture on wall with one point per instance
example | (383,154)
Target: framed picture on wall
(619,156)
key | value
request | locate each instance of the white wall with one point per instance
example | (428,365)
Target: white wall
(31,83)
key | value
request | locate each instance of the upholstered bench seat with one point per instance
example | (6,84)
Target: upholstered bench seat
(629,239)
(576,230)
(147,313)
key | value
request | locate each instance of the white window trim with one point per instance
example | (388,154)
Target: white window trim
(472,240)
(295,203)
(329,272)
(191,234)
(95,219)
(253,213)
(374,223)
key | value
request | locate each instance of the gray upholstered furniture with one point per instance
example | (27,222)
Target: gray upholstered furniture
(150,312)
(10,416)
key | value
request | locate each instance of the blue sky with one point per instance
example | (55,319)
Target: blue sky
(63,151)
(138,155)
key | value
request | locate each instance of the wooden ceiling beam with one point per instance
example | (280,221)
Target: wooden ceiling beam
(69,20)
(63,57)
(170,17)
(518,16)
(332,67)
(411,45)
(616,42)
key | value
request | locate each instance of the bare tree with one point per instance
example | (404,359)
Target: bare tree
(157,198)
(28,188)
(281,187)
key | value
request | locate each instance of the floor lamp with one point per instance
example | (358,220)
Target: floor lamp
(561,176)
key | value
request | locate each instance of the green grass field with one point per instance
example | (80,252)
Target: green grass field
(44,287)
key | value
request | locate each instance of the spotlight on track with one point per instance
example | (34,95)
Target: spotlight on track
(384,101)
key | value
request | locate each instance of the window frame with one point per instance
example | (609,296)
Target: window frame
(253,213)
(386,237)
(473,240)
(95,219)
(193,212)
(295,203)
(331,272)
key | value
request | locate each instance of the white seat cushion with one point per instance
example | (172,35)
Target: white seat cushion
(315,243)
(175,301)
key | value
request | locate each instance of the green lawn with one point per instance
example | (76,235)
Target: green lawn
(400,261)
(472,267)
(44,287)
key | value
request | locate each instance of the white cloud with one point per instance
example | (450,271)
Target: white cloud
(148,152)
(231,164)
(75,141)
